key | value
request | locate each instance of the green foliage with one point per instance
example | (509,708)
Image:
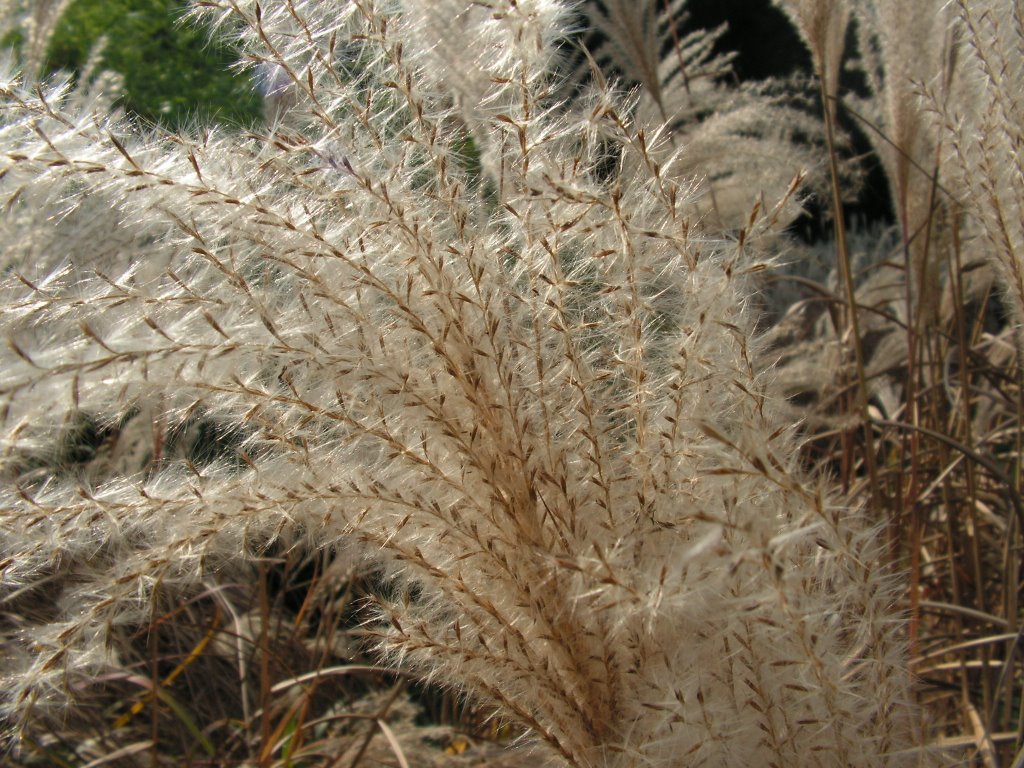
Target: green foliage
(173,74)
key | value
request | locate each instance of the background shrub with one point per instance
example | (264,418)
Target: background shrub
(174,74)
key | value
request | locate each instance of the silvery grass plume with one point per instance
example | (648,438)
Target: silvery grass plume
(903,46)
(527,391)
(981,126)
(903,51)
(731,133)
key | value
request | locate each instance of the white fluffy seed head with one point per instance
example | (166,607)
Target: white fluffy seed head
(526,387)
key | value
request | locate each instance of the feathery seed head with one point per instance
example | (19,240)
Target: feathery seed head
(433,324)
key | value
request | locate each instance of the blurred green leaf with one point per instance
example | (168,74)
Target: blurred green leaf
(173,74)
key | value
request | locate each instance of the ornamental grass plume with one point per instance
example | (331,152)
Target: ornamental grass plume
(745,141)
(981,125)
(424,323)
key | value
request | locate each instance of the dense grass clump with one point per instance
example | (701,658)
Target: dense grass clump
(441,405)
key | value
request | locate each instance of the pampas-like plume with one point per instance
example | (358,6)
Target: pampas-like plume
(730,134)
(982,129)
(527,391)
